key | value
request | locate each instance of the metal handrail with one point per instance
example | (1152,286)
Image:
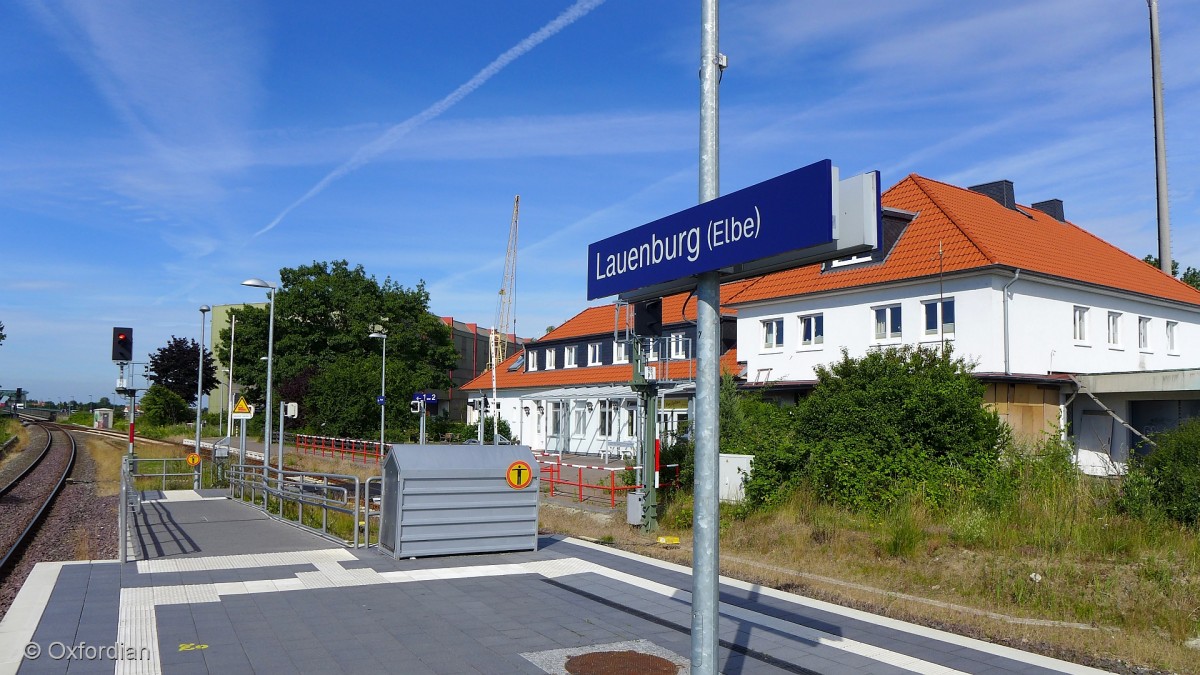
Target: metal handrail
(303,488)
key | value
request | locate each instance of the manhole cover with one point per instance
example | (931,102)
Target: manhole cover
(620,663)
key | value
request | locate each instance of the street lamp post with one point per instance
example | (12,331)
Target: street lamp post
(382,388)
(199,389)
(259,283)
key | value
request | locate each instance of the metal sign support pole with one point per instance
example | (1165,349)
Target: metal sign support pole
(422,422)
(705,551)
(280,436)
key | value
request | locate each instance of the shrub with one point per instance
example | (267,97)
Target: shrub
(898,421)
(163,407)
(1167,479)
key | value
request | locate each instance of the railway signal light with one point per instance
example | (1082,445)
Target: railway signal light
(647,318)
(122,344)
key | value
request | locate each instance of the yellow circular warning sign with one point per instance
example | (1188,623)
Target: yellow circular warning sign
(519,475)
(193,459)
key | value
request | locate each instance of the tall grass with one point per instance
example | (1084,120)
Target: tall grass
(1037,539)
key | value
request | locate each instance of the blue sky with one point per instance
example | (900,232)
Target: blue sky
(157,154)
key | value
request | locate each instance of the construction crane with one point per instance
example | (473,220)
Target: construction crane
(505,321)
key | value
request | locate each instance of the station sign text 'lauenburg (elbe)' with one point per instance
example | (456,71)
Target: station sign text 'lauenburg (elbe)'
(790,220)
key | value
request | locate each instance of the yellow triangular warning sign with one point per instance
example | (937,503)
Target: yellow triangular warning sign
(241,408)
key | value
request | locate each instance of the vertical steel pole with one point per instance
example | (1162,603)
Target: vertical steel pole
(270,360)
(199,395)
(281,436)
(382,395)
(229,388)
(1160,146)
(705,552)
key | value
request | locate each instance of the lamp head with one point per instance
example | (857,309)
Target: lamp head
(256,283)
(378,335)
(204,309)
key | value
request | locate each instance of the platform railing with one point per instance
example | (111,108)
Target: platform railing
(325,504)
(162,468)
(130,502)
(369,509)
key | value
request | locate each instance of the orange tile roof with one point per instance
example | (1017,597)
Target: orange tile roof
(678,308)
(975,231)
(566,377)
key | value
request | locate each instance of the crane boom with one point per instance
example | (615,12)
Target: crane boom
(505,321)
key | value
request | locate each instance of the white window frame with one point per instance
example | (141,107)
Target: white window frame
(550,365)
(891,314)
(678,346)
(1144,333)
(1079,322)
(570,356)
(808,324)
(607,419)
(652,352)
(1172,338)
(579,419)
(620,351)
(772,334)
(595,354)
(1114,330)
(531,362)
(938,307)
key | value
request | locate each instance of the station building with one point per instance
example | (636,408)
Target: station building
(1069,333)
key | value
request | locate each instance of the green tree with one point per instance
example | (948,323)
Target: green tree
(2,335)
(325,358)
(161,406)
(174,367)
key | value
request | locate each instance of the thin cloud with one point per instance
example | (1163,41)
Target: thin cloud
(380,145)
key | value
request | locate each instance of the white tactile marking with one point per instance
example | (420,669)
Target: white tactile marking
(138,625)
(879,620)
(182,496)
(554,661)
(563,567)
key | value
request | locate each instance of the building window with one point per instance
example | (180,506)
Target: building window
(772,334)
(1143,332)
(595,354)
(620,352)
(531,362)
(1171,337)
(887,322)
(555,415)
(549,359)
(652,352)
(945,307)
(606,418)
(1081,322)
(678,346)
(569,359)
(812,330)
(1114,329)
(580,420)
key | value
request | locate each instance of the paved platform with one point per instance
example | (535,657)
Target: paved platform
(228,590)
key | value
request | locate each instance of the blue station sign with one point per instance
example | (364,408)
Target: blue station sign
(792,213)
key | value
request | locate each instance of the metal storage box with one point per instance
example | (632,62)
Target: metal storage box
(448,499)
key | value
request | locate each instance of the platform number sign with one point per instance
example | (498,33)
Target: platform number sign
(519,475)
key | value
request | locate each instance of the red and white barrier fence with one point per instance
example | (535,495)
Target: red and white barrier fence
(552,475)
(355,450)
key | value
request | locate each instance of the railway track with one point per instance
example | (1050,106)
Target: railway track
(26,498)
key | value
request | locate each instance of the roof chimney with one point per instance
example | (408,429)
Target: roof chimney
(1052,208)
(1001,191)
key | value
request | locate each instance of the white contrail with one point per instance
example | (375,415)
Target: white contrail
(380,145)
